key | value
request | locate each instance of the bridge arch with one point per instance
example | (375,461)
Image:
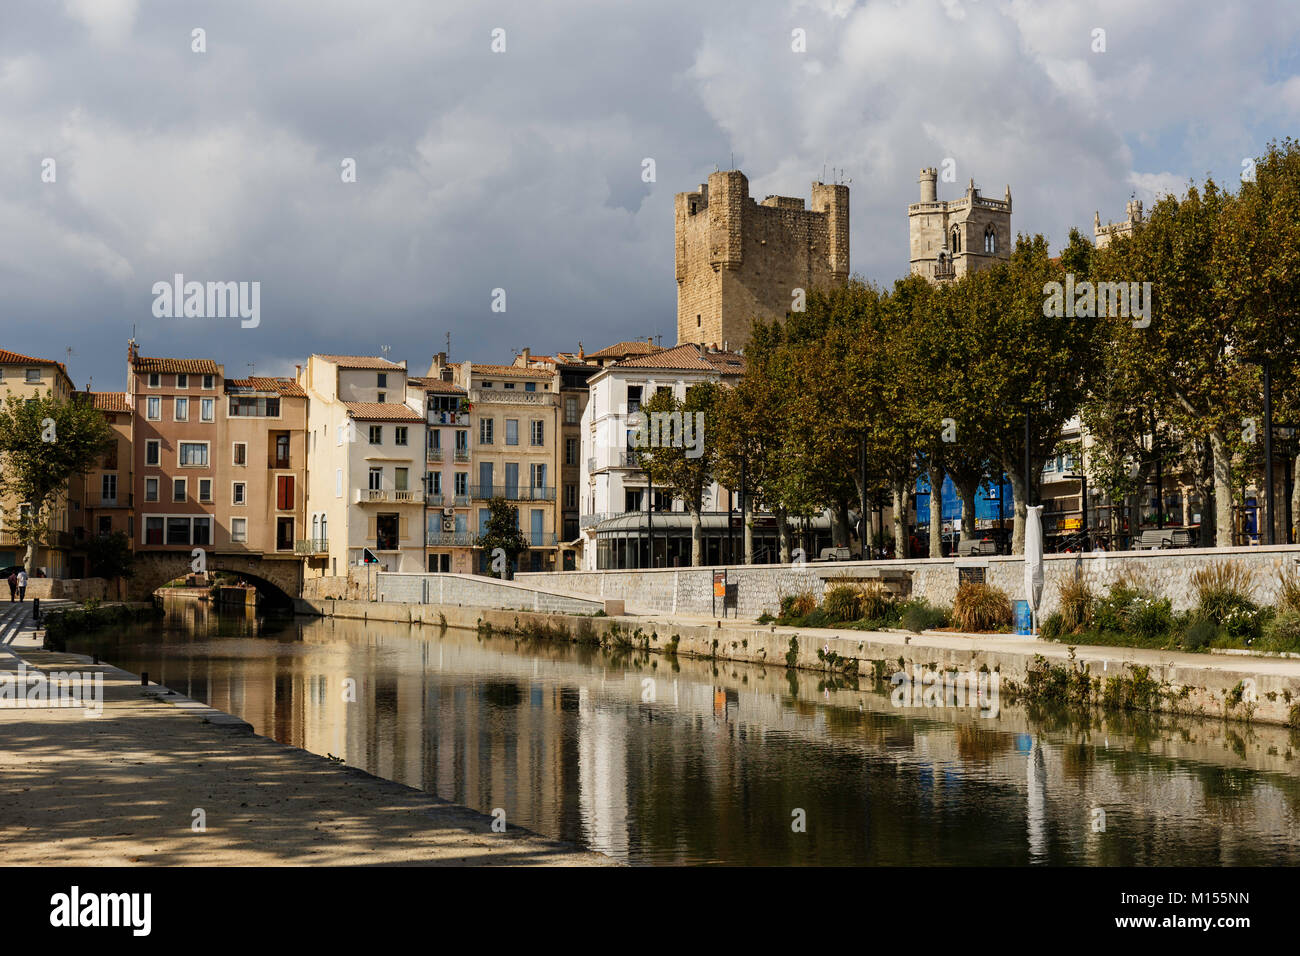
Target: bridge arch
(280,579)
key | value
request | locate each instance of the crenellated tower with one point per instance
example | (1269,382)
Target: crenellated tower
(952,237)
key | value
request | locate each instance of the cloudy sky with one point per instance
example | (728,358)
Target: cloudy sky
(522,169)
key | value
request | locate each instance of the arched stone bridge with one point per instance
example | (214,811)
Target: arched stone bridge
(279,578)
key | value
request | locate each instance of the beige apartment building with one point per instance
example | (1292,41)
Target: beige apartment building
(449,539)
(365,465)
(30,378)
(107,499)
(514,425)
(262,471)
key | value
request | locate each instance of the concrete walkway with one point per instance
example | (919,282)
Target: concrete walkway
(124,788)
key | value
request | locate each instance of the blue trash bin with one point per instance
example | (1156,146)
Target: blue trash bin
(1024,621)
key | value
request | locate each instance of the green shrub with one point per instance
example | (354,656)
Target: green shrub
(1150,618)
(1222,588)
(1282,633)
(875,602)
(1198,634)
(1288,590)
(920,615)
(1076,602)
(1053,627)
(981,607)
(842,603)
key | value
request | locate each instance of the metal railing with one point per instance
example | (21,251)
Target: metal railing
(462,454)
(511,396)
(517,493)
(448,418)
(450,539)
(540,539)
(311,546)
(434,499)
(433,454)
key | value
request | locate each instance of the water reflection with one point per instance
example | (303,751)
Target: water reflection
(655,762)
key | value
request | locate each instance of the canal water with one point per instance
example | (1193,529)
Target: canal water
(657,761)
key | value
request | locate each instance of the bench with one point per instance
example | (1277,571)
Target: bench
(835,554)
(1154,539)
(975,547)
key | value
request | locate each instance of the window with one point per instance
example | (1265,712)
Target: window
(537,476)
(152,451)
(202,531)
(151,489)
(178,530)
(108,489)
(570,451)
(282,450)
(485,431)
(530,386)
(246,406)
(462,442)
(209,381)
(461,483)
(284,492)
(956,241)
(512,431)
(153,530)
(509,385)
(570,411)
(537,434)
(570,496)
(486,384)
(205,489)
(182,410)
(376,479)
(33,376)
(182,381)
(153,408)
(208,409)
(399,435)
(376,434)
(105,524)
(238,530)
(436,486)
(383,381)
(382,397)
(239,453)
(178,488)
(194,454)
(238,491)
(155,381)
(990,240)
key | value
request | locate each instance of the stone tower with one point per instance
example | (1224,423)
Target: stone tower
(952,237)
(1102,235)
(737,259)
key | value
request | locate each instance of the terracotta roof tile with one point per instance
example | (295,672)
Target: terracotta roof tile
(619,349)
(258,383)
(360,361)
(16,358)
(537,373)
(183,366)
(381,412)
(109,401)
(682,358)
(436,385)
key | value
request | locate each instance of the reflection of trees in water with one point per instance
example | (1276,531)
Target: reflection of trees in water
(975,743)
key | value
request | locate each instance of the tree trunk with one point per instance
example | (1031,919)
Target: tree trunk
(697,538)
(967,492)
(29,558)
(1018,504)
(782,534)
(1295,499)
(936,512)
(901,501)
(1223,525)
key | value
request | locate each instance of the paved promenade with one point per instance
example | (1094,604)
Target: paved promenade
(123,788)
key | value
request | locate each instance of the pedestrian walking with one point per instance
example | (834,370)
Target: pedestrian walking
(22,586)
(13,586)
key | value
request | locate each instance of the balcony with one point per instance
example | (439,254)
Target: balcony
(434,499)
(387,496)
(513,396)
(591,465)
(629,459)
(311,546)
(540,539)
(450,539)
(461,454)
(483,492)
(460,501)
(591,520)
(107,502)
(448,418)
(433,454)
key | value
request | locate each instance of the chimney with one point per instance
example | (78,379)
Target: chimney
(581,354)
(649,340)
(525,355)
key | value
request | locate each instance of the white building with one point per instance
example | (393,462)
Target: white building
(365,462)
(611,481)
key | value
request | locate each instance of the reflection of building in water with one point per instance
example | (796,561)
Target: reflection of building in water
(602,773)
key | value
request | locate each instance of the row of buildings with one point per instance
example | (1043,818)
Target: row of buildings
(353,453)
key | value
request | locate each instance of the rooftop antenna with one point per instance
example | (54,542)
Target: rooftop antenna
(733,159)
(252,368)
(386,349)
(448,346)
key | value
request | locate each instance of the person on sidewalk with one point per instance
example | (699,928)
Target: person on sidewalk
(22,586)
(13,586)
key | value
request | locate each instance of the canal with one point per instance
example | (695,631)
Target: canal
(658,761)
